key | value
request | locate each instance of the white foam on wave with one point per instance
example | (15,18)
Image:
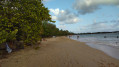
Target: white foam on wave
(108,45)
(114,42)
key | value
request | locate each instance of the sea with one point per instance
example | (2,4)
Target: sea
(106,42)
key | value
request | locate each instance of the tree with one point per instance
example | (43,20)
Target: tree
(7,15)
(34,13)
(24,18)
(27,21)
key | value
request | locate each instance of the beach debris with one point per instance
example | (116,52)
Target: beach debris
(43,39)
(9,50)
(54,36)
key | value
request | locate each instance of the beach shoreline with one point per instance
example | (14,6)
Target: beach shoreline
(60,52)
(107,45)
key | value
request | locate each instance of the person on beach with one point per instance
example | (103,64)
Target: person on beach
(105,37)
(77,37)
(69,36)
(117,36)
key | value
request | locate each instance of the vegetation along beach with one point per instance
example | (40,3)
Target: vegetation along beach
(59,33)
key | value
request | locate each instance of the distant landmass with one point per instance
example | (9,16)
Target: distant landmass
(98,32)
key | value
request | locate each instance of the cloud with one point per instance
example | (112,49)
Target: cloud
(54,17)
(115,20)
(118,6)
(89,6)
(118,19)
(62,27)
(64,16)
(55,11)
(99,27)
(46,0)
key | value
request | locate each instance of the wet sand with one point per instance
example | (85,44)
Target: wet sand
(60,52)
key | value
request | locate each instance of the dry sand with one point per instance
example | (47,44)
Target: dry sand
(60,52)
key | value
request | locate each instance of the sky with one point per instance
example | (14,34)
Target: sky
(82,16)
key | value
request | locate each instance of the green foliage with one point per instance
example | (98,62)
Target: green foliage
(3,36)
(50,29)
(7,37)
(12,35)
(27,21)
(22,20)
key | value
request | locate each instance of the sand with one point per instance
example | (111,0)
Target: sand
(60,52)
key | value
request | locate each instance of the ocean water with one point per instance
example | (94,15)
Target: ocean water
(108,42)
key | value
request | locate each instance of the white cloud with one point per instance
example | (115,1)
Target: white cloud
(118,6)
(62,27)
(67,17)
(89,6)
(64,16)
(55,11)
(117,20)
(54,17)
(99,27)
(46,0)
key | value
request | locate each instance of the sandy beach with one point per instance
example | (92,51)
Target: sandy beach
(60,52)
